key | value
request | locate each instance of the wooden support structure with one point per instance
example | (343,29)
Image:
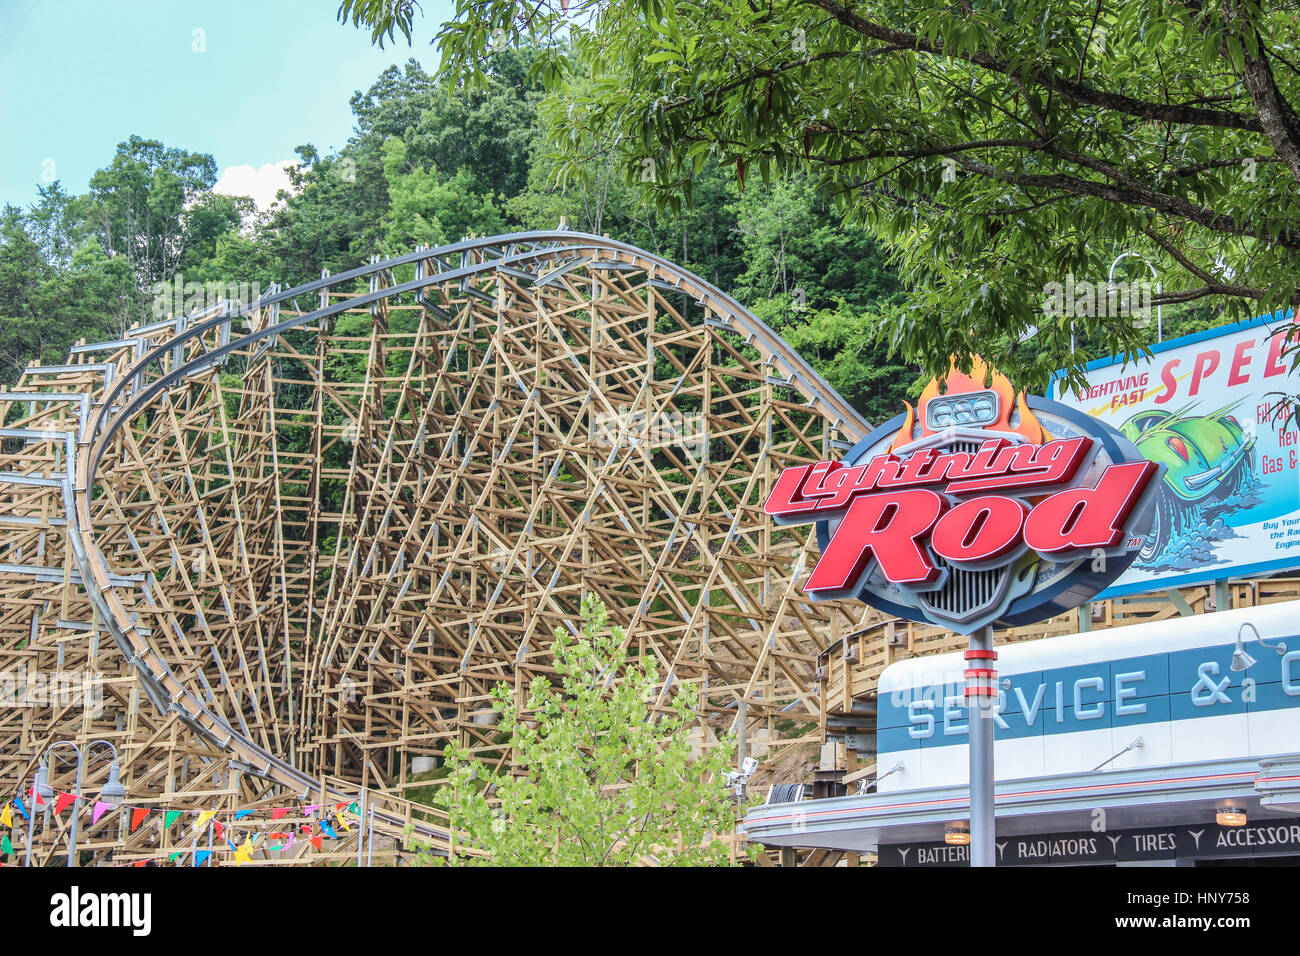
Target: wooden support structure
(308,535)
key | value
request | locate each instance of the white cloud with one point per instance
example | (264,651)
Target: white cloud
(261,184)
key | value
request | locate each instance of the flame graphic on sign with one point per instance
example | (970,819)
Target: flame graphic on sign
(957,383)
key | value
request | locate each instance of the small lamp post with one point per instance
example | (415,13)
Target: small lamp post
(113,792)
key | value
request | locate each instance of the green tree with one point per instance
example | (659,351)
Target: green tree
(795,244)
(997,147)
(56,284)
(426,210)
(155,205)
(840,343)
(487,133)
(603,779)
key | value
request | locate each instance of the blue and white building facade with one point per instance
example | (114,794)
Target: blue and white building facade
(1112,747)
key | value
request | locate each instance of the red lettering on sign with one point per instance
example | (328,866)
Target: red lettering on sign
(828,487)
(1029,465)
(785,500)
(1277,345)
(1240,359)
(1085,518)
(1204,365)
(1169,380)
(900,527)
(980,530)
(887,527)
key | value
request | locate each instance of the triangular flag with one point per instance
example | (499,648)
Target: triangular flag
(18,802)
(137,817)
(312,809)
(141,862)
(37,800)
(343,822)
(7,816)
(170,818)
(100,809)
(353,808)
(315,841)
(201,857)
(245,853)
(328,829)
(6,846)
(204,818)
(219,827)
(64,801)
(278,812)
(240,814)
(342,806)
(177,855)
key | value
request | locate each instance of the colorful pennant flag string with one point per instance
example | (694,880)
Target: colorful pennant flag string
(278,841)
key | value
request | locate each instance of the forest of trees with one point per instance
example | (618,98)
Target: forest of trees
(429,163)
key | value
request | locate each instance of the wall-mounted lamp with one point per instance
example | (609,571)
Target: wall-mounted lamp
(1230,817)
(956,834)
(1241,660)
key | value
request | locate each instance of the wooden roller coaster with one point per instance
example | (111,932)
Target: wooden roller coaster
(280,552)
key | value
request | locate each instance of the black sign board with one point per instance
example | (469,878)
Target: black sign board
(1198,841)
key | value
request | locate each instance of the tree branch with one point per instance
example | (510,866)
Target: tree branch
(1074,91)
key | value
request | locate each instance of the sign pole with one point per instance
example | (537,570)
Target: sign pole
(981,701)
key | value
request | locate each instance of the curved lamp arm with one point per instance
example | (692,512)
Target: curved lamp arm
(106,743)
(1279,646)
(45,757)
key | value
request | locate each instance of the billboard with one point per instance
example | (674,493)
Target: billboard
(1205,407)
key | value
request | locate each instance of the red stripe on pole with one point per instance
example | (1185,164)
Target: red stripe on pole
(978,654)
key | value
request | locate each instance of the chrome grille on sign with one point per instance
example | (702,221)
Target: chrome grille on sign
(965,591)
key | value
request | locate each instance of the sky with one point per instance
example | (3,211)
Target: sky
(243,80)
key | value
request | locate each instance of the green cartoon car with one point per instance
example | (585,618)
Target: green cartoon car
(1206,458)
